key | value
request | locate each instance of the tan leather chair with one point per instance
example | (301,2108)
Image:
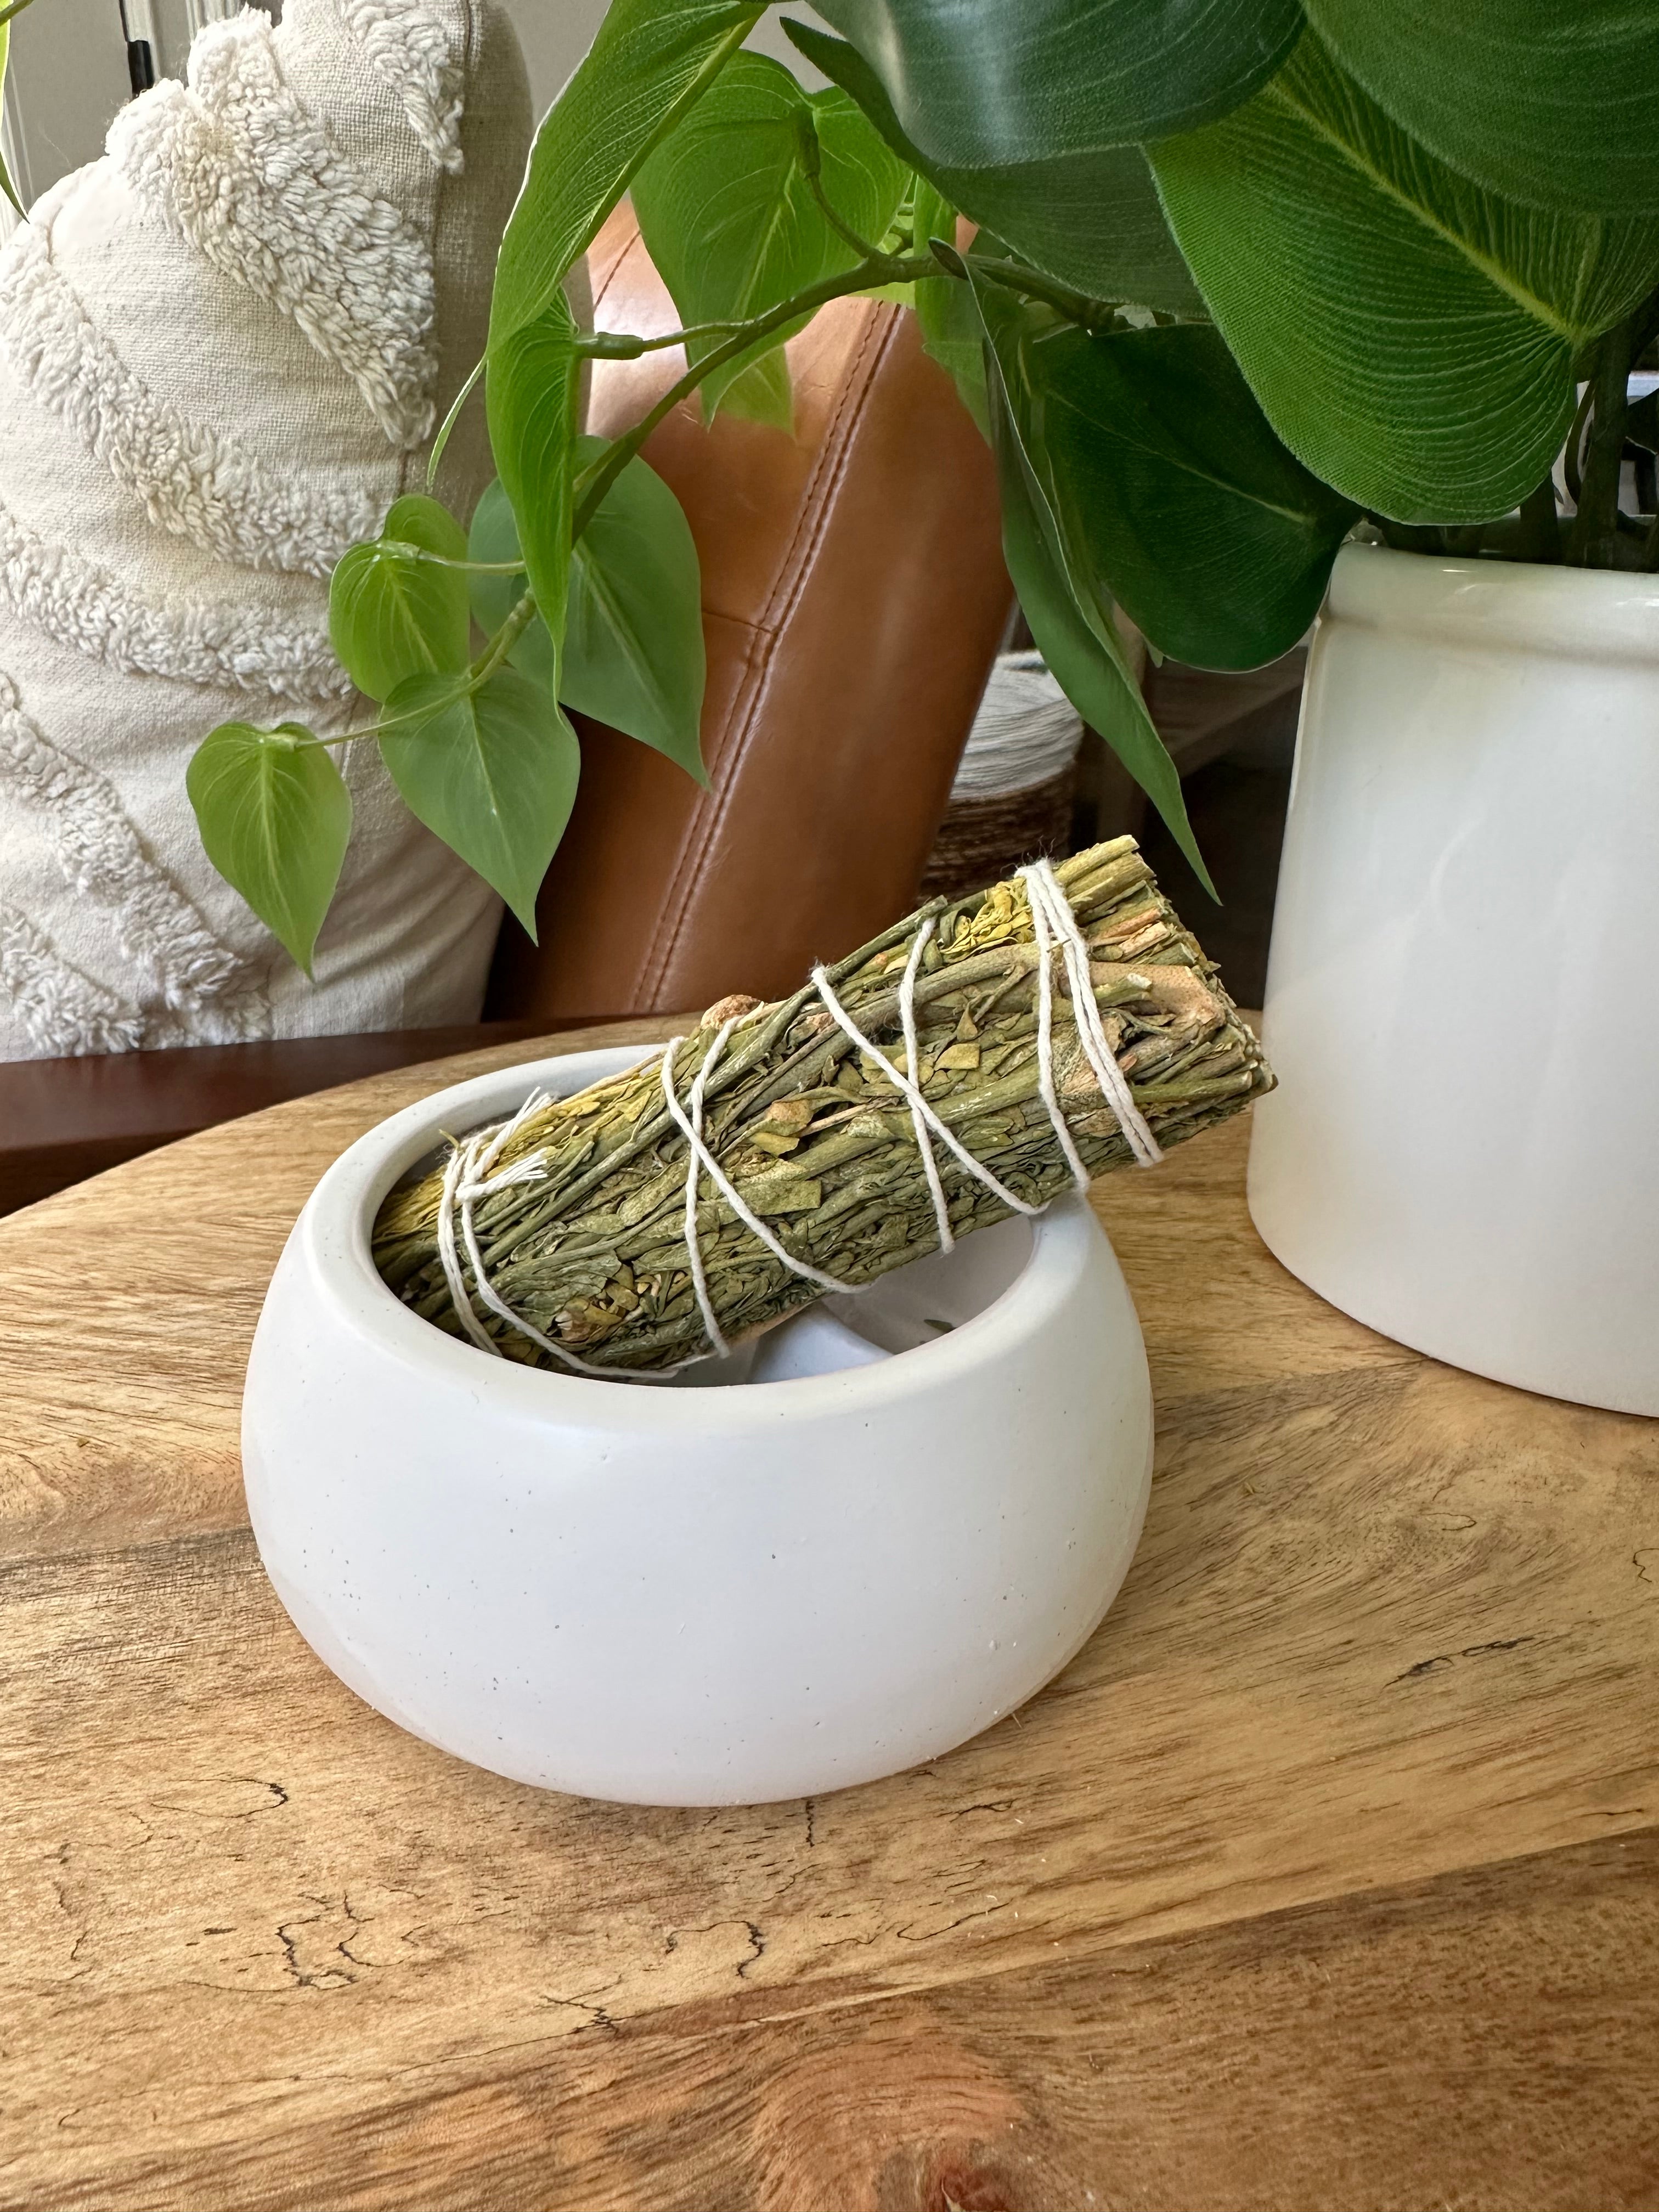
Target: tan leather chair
(853,598)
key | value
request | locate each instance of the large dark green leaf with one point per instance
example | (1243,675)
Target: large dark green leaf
(1551,101)
(1412,337)
(634,646)
(650,62)
(392,615)
(727,212)
(492,771)
(1091,219)
(275,819)
(1169,490)
(533,387)
(1073,627)
(977,83)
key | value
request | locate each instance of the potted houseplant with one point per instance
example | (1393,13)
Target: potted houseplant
(1243,286)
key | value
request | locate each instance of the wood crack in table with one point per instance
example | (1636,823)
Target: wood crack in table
(1327,1876)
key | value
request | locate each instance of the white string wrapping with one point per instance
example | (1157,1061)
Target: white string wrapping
(1051,917)
(467,1178)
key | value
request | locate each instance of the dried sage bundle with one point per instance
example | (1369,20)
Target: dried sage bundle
(588,1243)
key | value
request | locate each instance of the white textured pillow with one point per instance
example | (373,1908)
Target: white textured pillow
(222,349)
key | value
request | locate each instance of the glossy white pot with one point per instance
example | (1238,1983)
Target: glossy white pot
(724,1590)
(1463,995)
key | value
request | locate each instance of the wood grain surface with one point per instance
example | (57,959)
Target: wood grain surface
(1326,1877)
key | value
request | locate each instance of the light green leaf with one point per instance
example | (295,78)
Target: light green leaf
(1091,219)
(650,62)
(1075,635)
(533,390)
(1410,337)
(6,185)
(950,324)
(496,538)
(275,819)
(1169,491)
(1554,102)
(634,645)
(977,82)
(760,390)
(727,211)
(392,615)
(491,771)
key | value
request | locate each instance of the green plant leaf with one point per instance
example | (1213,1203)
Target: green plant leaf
(950,324)
(759,389)
(533,390)
(727,209)
(1410,337)
(977,83)
(634,646)
(275,816)
(492,771)
(1169,491)
(391,615)
(1552,102)
(649,64)
(1091,219)
(496,538)
(6,185)
(1074,632)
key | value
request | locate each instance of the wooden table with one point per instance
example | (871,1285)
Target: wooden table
(1324,1878)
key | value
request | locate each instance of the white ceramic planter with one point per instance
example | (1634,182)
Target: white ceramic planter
(1463,995)
(746,1590)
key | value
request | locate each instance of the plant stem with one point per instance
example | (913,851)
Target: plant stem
(1076,306)
(1540,535)
(1596,525)
(881,269)
(442,560)
(628,345)
(16,9)
(450,420)
(505,639)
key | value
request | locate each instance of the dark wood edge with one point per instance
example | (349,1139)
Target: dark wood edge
(64,1119)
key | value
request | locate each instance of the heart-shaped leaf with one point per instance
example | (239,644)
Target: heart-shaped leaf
(491,770)
(391,614)
(1092,219)
(275,819)
(1554,102)
(634,646)
(495,538)
(533,390)
(1169,490)
(978,82)
(1412,337)
(726,204)
(650,62)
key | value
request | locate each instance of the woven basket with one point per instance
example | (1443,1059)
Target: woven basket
(981,841)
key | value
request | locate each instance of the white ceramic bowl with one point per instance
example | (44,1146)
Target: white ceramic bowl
(740,1590)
